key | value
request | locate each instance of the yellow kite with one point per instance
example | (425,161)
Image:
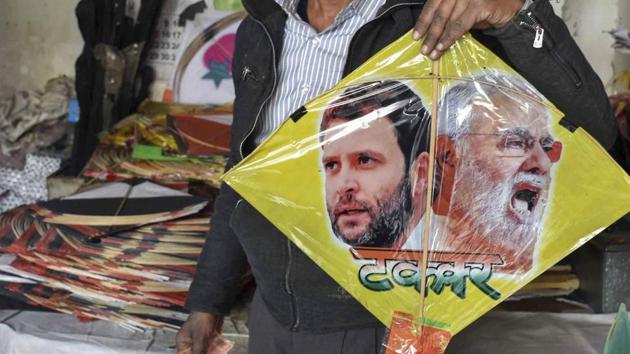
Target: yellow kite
(433,191)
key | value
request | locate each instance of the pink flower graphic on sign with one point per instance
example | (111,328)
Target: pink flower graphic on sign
(218,59)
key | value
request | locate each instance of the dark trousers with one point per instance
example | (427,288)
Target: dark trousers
(266,336)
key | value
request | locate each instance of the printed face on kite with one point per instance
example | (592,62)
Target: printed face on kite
(502,176)
(366,183)
(370,164)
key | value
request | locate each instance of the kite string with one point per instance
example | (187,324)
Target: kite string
(429,197)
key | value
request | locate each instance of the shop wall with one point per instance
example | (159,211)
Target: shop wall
(39,39)
(589,22)
(621,62)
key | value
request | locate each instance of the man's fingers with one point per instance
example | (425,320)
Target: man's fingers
(461,20)
(445,21)
(425,18)
(453,31)
(438,23)
(183,342)
(200,344)
(200,340)
(194,336)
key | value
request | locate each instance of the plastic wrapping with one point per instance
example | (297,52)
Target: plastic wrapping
(20,187)
(138,128)
(618,340)
(497,194)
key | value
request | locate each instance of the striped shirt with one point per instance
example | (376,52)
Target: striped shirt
(311,62)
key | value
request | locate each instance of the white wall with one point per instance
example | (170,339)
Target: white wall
(621,62)
(39,39)
(589,21)
(557,5)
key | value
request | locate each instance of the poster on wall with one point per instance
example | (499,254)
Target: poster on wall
(166,40)
(193,48)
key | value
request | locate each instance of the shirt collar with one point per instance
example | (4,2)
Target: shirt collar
(362,7)
(289,6)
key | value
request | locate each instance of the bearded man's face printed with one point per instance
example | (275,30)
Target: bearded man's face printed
(368,191)
(502,180)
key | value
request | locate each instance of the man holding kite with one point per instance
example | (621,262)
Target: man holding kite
(289,51)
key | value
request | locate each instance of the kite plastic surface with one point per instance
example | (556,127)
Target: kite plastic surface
(348,179)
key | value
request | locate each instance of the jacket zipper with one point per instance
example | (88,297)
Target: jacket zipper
(527,20)
(386,12)
(289,290)
(273,88)
(287,274)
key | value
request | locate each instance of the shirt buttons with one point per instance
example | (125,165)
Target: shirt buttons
(306,88)
(316,42)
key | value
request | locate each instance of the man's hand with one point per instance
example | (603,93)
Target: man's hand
(445,21)
(196,334)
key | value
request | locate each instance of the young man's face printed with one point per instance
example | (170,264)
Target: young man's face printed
(368,191)
(503,177)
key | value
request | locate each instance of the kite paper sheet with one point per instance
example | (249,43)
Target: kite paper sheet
(619,336)
(203,133)
(118,206)
(430,231)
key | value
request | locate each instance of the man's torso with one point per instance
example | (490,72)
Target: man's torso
(298,293)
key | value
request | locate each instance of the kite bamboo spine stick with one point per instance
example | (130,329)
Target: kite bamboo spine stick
(121,206)
(429,201)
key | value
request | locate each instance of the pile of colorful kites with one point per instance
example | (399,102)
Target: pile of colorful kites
(165,143)
(124,248)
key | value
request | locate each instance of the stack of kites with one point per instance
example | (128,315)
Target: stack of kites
(124,252)
(125,247)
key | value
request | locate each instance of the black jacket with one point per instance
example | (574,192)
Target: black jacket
(297,292)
